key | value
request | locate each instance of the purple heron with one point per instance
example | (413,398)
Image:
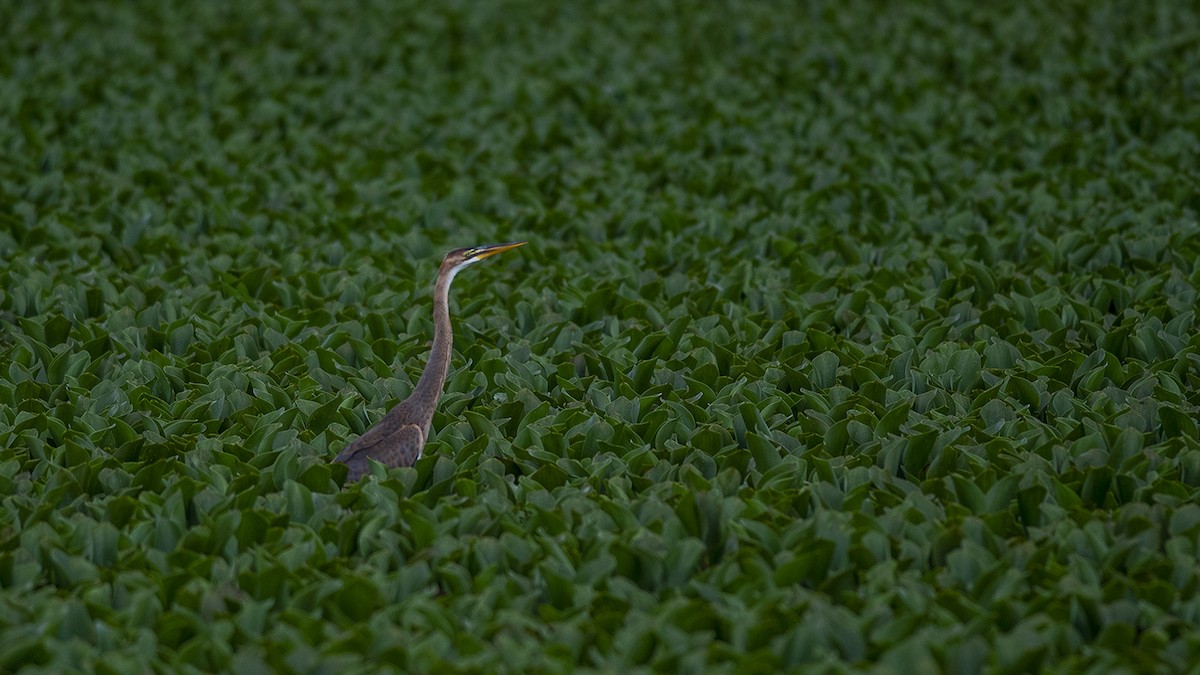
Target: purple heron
(398,438)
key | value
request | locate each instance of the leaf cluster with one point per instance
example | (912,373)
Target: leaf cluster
(848,337)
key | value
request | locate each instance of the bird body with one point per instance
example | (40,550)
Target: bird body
(398,438)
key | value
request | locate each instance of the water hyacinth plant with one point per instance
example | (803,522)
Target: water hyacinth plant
(850,336)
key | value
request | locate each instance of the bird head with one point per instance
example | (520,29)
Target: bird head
(461,257)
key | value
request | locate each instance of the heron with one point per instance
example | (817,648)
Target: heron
(398,438)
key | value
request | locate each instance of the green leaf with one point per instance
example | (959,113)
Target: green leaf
(766,454)
(824,368)
(966,366)
(808,567)
(359,598)
(1174,423)
(1029,501)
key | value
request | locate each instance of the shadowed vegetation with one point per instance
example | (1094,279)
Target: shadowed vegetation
(848,334)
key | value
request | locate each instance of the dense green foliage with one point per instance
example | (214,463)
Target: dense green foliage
(850,334)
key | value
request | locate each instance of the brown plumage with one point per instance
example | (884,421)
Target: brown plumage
(398,438)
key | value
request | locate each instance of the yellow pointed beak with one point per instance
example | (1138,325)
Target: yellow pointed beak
(482,252)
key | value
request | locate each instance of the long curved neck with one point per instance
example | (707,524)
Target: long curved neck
(429,388)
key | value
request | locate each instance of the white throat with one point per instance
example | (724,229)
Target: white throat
(458,268)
